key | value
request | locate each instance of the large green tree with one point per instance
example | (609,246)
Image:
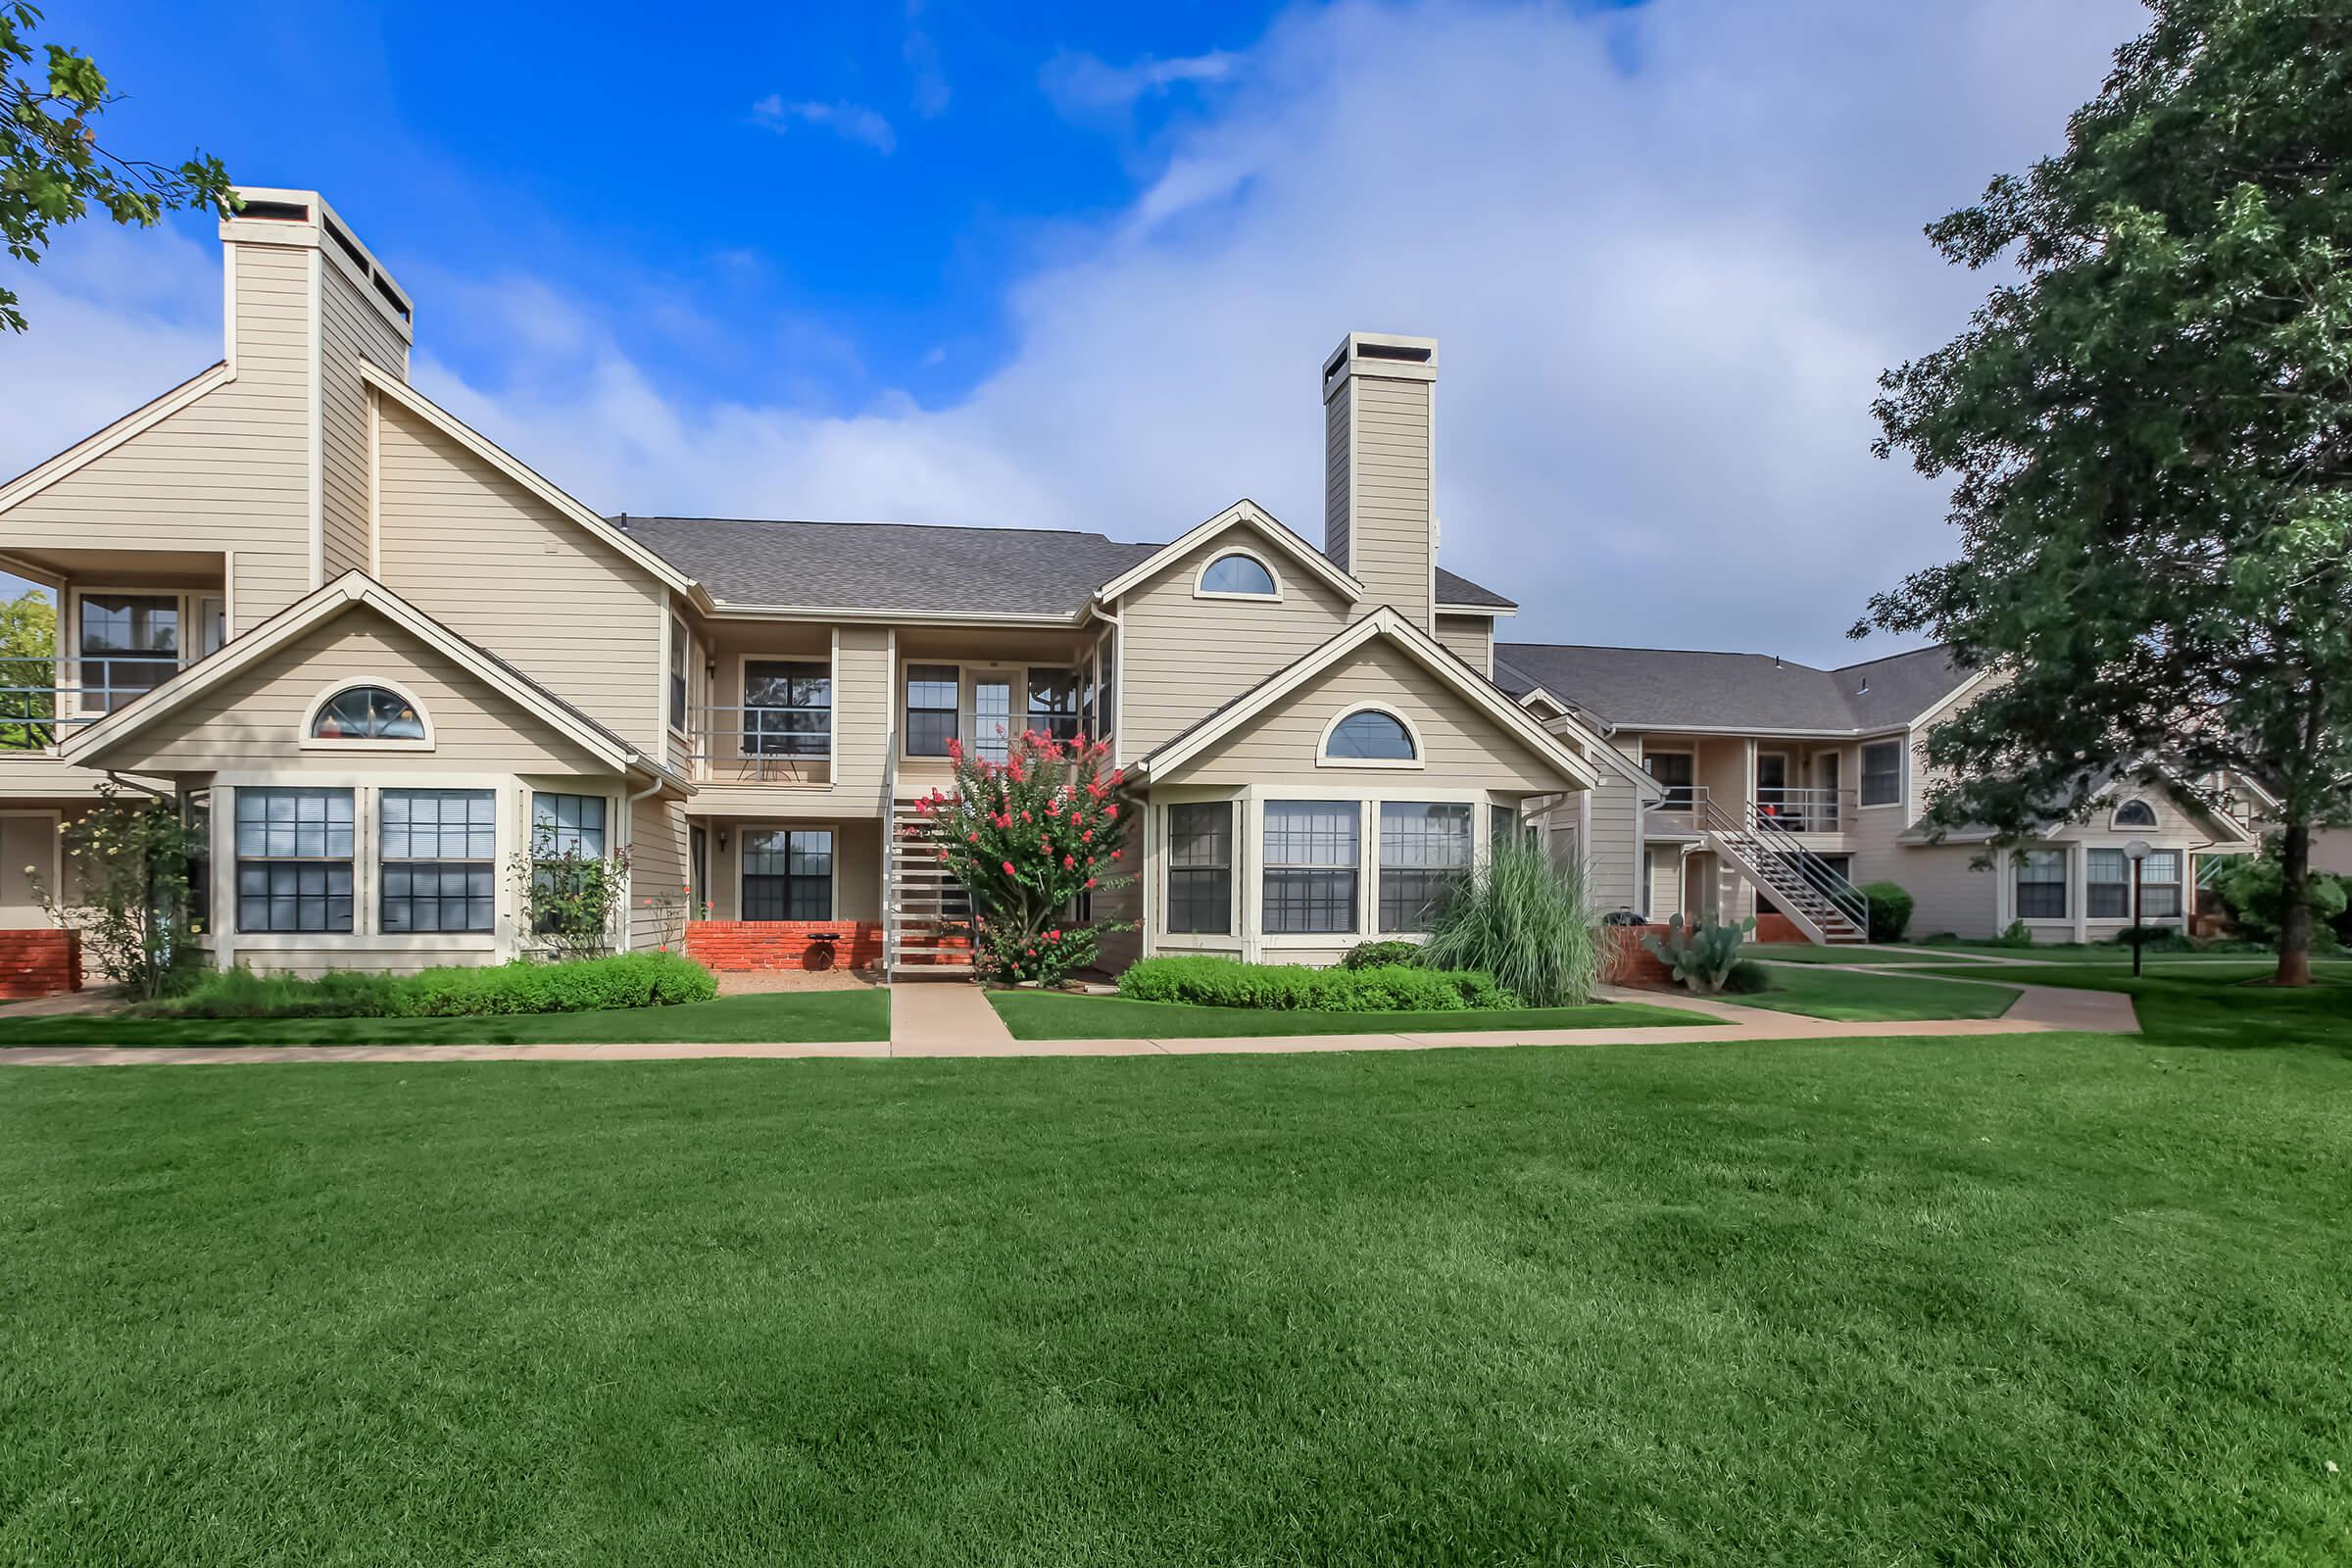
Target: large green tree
(52,166)
(2149,433)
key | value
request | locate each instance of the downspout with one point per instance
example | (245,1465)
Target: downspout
(628,829)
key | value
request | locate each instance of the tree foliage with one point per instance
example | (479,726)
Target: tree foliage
(52,168)
(27,670)
(1034,838)
(572,902)
(126,872)
(2149,433)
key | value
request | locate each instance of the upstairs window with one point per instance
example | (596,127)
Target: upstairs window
(1369,735)
(129,644)
(678,653)
(2135,814)
(930,709)
(367,714)
(1882,772)
(1242,576)
(787,708)
(1053,703)
(1676,770)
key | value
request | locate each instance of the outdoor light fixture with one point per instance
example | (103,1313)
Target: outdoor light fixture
(2136,852)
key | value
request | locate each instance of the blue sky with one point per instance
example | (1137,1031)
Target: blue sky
(1075,265)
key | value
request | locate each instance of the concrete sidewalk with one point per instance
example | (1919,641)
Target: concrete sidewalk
(932,1022)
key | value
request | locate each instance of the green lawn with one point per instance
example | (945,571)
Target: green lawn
(2007,1300)
(2213,1004)
(861,1015)
(1809,952)
(1886,997)
(1058,1015)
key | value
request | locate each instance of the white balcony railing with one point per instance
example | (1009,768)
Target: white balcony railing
(43,699)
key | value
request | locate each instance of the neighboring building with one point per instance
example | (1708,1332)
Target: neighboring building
(1779,787)
(382,658)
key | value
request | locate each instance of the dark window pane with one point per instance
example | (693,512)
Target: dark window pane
(1371,736)
(367,714)
(1423,854)
(1882,773)
(931,705)
(788,874)
(1053,703)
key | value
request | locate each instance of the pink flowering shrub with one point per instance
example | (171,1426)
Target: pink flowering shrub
(1030,835)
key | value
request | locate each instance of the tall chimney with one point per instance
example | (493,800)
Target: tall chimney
(1379,431)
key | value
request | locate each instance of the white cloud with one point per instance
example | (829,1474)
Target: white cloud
(1084,86)
(1663,295)
(850,122)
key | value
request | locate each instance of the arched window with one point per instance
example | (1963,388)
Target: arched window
(1238,573)
(1369,735)
(367,714)
(2135,814)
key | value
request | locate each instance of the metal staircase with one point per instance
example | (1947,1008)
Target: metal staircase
(1758,845)
(923,905)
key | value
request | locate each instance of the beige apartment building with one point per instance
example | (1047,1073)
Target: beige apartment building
(379,658)
(1770,786)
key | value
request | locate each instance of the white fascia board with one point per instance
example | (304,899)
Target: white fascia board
(98,444)
(1243,513)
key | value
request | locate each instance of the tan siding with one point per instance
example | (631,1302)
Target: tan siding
(253,720)
(1612,871)
(1460,747)
(229,473)
(1181,658)
(1472,639)
(351,331)
(473,549)
(1665,881)
(1390,545)
(1947,894)
(862,684)
(657,902)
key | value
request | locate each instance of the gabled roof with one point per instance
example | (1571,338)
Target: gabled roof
(1666,688)
(1242,513)
(1431,654)
(91,741)
(99,443)
(906,568)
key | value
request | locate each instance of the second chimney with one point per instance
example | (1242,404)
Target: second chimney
(1379,426)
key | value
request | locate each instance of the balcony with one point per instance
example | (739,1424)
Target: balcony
(42,699)
(1688,808)
(761,744)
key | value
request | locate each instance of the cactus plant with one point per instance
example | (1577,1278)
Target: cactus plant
(1700,953)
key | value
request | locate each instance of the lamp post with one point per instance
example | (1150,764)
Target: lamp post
(2136,852)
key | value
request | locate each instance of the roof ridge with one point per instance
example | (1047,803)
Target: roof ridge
(1782,659)
(624,519)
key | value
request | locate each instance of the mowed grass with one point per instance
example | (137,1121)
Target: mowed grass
(1059,1016)
(791,1015)
(1809,952)
(2015,1300)
(1875,998)
(2207,1002)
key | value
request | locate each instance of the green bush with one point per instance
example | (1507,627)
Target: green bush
(1525,922)
(2253,887)
(1889,911)
(581,985)
(1387,951)
(1294,987)
(1747,978)
(2015,934)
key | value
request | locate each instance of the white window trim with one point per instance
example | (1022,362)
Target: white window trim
(2115,825)
(306,741)
(831,660)
(1902,775)
(1201,576)
(744,831)
(2071,864)
(1412,731)
(68,654)
(1236,899)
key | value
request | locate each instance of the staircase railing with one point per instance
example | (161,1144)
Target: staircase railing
(1772,845)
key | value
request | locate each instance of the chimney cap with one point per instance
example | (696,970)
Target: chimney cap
(1380,353)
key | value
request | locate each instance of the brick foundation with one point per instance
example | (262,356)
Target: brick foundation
(39,963)
(784,944)
(1624,962)
(1777,928)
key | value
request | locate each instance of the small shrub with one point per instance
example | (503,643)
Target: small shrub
(1940,939)
(2015,936)
(1296,988)
(1747,978)
(584,985)
(2156,939)
(1700,954)
(1374,954)
(1525,921)
(1889,911)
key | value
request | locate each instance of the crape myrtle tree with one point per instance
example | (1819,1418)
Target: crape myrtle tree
(1033,837)
(2149,434)
(52,165)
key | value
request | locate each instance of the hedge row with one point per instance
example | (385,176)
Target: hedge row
(1296,988)
(581,985)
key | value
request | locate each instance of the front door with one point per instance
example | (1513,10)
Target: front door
(992,713)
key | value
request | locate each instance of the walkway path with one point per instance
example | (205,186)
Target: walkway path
(935,1020)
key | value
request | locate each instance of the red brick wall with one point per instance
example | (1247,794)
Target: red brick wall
(1777,928)
(1626,963)
(784,944)
(39,963)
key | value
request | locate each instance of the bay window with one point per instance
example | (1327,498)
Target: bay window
(440,852)
(1424,855)
(294,855)
(1201,868)
(1312,855)
(2042,884)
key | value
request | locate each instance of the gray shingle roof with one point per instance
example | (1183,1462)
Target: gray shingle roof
(1653,688)
(918,567)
